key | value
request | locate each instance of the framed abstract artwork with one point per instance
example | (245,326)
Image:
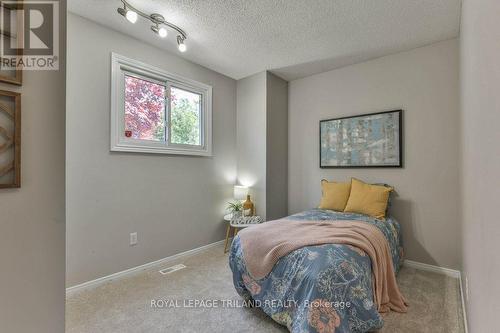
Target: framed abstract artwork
(10,139)
(373,140)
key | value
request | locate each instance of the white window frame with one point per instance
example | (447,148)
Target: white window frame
(122,66)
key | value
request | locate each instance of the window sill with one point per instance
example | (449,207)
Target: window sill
(161,150)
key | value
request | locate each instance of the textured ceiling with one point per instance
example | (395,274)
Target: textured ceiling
(293,38)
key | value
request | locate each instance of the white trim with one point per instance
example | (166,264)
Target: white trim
(432,268)
(445,271)
(118,142)
(138,269)
(464,311)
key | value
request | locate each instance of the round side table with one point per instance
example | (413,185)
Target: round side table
(232,227)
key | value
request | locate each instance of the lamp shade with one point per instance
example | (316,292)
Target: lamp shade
(240,192)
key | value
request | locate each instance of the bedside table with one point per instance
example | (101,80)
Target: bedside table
(235,226)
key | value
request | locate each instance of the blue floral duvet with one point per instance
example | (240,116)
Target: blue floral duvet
(325,288)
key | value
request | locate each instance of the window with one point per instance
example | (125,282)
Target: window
(154,111)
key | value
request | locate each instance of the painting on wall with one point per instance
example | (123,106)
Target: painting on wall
(364,141)
(10,139)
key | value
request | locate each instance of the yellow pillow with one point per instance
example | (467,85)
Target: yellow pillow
(368,199)
(335,195)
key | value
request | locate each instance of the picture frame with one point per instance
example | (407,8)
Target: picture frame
(371,140)
(10,139)
(10,75)
(16,78)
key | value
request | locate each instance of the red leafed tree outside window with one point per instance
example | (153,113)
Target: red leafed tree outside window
(144,109)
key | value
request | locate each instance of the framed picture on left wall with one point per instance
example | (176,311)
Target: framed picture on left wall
(12,40)
(10,139)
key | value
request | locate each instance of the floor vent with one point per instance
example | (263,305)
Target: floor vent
(172,269)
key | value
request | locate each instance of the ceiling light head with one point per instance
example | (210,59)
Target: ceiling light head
(162,32)
(180,43)
(131,16)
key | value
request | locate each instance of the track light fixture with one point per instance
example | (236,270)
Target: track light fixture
(159,23)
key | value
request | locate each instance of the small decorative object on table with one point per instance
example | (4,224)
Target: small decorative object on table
(236,223)
(248,207)
(235,208)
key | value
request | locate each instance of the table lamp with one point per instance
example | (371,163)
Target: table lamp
(240,192)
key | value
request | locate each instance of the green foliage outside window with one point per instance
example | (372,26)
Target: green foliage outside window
(185,122)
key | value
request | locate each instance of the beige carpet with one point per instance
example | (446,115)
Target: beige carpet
(125,305)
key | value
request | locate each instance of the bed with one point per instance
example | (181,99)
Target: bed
(340,274)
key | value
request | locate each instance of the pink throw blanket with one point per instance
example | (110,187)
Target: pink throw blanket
(263,245)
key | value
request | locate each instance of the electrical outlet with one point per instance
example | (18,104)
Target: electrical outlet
(133,238)
(467,288)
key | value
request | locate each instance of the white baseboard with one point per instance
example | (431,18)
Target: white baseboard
(138,269)
(431,268)
(445,271)
(464,311)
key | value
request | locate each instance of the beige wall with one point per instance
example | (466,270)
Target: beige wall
(425,83)
(32,217)
(262,141)
(174,203)
(251,133)
(277,147)
(480,83)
